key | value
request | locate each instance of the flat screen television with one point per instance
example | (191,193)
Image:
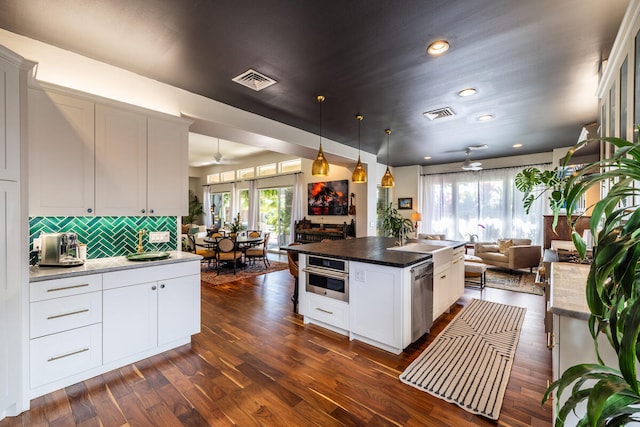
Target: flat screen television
(329,198)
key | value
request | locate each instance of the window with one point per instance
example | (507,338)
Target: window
(269,169)
(294,165)
(221,208)
(228,176)
(274,214)
(483,203)
(213,178)
(382,203)
(243,205)
(246,173)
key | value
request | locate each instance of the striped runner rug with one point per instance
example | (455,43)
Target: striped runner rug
(469,363)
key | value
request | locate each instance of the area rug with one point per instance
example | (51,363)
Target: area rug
(226,275)
(469,363)
(517,281)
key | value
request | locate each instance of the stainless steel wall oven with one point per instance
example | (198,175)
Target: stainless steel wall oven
(328,277)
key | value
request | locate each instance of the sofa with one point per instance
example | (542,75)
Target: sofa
(510,253)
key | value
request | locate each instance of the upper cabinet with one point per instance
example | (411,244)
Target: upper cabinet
(99,157)
(9,120)
(61,154)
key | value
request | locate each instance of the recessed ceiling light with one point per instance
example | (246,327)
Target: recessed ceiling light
(468,92)
(486,117)
(427,157)
(438,47)
(517,145)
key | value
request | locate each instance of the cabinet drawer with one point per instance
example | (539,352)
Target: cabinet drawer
(57,288)
(328,310)
(458,252)
(134,276)
(61,314)
(64,354)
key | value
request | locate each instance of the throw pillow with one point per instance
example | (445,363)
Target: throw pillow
(503,245)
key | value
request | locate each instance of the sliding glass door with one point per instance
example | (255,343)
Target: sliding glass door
(220,208)
(274,214)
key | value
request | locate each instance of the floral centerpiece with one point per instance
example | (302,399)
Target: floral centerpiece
(236,225)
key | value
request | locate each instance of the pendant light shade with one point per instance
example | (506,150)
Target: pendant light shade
(359,174)
(387,178)
(320,166)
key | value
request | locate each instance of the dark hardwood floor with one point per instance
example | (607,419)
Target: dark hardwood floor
(255,363)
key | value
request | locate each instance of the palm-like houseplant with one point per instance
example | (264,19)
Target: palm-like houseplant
(395,225)
(612,393)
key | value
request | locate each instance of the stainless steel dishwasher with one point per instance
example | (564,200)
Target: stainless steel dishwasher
(421,299)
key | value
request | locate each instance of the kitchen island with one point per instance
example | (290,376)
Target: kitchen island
(107,313)
(377,303)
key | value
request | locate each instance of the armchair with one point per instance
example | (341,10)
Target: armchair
(511,253)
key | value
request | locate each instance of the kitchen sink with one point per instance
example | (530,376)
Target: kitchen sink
(148,256)
(439,254)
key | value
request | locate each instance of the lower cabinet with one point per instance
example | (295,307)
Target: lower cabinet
(87,325)
(140,316)
(376,305)
(442,283)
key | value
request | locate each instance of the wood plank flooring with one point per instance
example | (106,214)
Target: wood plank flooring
(255,363)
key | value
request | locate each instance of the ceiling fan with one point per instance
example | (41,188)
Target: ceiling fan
(470,165)
(218,155)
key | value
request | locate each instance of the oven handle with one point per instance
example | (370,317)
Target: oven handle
(327,273)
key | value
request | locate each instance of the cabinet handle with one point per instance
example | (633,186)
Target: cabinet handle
(153,288)
(162,286)
(443,277)
(151,211)
(550,340)
(89,210)
(67,355)
(67,314)
(143,211)
(68,287)
(324,311)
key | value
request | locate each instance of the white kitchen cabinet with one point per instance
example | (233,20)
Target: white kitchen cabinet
(11,335)
(442,283)
(376,309)
(457,275)
(130,320)
(9,118)
(121,161)
(61,155)
(147,308)
(167,167)
(65,329)
(92,156)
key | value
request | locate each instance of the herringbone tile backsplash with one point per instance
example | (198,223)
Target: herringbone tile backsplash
(108,236)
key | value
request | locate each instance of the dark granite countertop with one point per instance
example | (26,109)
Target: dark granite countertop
(370,249)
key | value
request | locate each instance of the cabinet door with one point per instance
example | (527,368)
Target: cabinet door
(61,153)
(167,163)
(10,296)
(375,306)
(129,320)
(121,162)
(9,121)
(457,279)
(178,308)
(441,292)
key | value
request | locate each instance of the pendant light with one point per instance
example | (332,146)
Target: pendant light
(359,174)
(387,179)
(320,166)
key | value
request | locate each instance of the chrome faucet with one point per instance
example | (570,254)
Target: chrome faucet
(140,246)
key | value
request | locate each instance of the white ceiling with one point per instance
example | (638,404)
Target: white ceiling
(202,149)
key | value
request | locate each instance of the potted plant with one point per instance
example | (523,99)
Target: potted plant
(195,210)
(534,183)
(395,225)
(235,226)
(612,393)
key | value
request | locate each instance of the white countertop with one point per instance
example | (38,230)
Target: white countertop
(568,290)
(102,265)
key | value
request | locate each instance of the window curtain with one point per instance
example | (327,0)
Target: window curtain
(234,202)
(481,205)
(253,205)
(206,207)
(298,202)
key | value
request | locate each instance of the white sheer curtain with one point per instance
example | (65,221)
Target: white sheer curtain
(234,203)
(206,207)
(298,203)
(253,205)
(484,204)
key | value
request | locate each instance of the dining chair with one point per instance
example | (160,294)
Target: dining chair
(227,253)
(198,247)
(254,233)
(258,252)
(292,258)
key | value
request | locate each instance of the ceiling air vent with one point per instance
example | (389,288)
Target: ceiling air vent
(440,113)
(254,80)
